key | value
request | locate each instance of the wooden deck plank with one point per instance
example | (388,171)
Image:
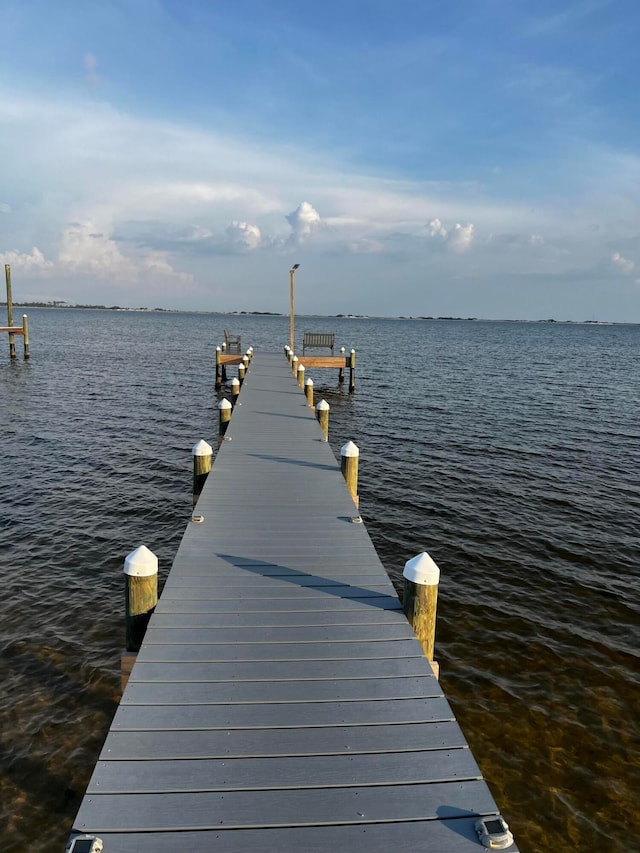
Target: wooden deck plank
(281,662)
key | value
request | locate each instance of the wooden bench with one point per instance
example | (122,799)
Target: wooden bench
(317,340)
(233,343)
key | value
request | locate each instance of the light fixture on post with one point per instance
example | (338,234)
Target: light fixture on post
(292,273)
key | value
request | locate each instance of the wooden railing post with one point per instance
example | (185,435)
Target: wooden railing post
(421,579)
(294,365)
(202,458)
(241,371)
(300,375)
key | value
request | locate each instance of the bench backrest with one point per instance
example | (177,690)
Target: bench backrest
(318,339)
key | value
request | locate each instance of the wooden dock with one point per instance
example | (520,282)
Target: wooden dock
(280,700)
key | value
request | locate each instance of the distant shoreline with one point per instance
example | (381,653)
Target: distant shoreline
(64,305)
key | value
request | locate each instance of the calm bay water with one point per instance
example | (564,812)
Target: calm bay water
(509,451)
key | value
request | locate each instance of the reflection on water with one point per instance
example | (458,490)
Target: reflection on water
(508,451)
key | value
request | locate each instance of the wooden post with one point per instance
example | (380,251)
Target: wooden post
(322,414)
(12,337)
(352,371)
(241,371)
(141,594)
(421,578)
(202,457)
(235,390)
(341,371)
(349,455)
(294,365)
(25,335)
(286,351)
(300,375)
(218,368)
(224,416)
(224,347)
(308,390)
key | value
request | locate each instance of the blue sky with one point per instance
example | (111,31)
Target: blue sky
(470,158)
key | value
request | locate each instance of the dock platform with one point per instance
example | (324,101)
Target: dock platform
(280,700)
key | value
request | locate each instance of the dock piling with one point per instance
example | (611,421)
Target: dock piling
(300,375)
(308,390)
(12,338)
(322,414)
(421,578)
(235,391)
(349,455)
(25,335)
(241,371)
(352,371)
(224,416)
(141,594)
(202,457)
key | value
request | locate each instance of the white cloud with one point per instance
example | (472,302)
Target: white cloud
(461,238)
(536,240)
(623,264)
(32,261)
(436,229)
(243,237)
(5,208)
(304,220)
(87,249)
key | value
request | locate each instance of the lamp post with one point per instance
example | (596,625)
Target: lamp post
(292,273)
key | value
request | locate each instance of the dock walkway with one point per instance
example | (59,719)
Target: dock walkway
(280,700)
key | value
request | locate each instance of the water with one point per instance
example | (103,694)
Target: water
(508,451)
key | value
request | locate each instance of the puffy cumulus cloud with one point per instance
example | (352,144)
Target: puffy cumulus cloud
(461,238)
(31,261)
(623,264)
(86,249)
(437,229)
(304,220)
(243,237)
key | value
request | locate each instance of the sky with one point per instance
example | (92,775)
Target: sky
(474,158)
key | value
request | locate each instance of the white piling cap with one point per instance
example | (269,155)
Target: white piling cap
(287,347)
(141,563)
(349,449)
(301,367)
(224,404)
(323,406)
(342,349)
(308,381)
(218,349)
(235,381)
(245,358)
(295,358)
(242,366)
(422,570)
(352,350)
(202,449)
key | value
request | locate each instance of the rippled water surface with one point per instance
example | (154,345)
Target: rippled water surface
(509,451)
